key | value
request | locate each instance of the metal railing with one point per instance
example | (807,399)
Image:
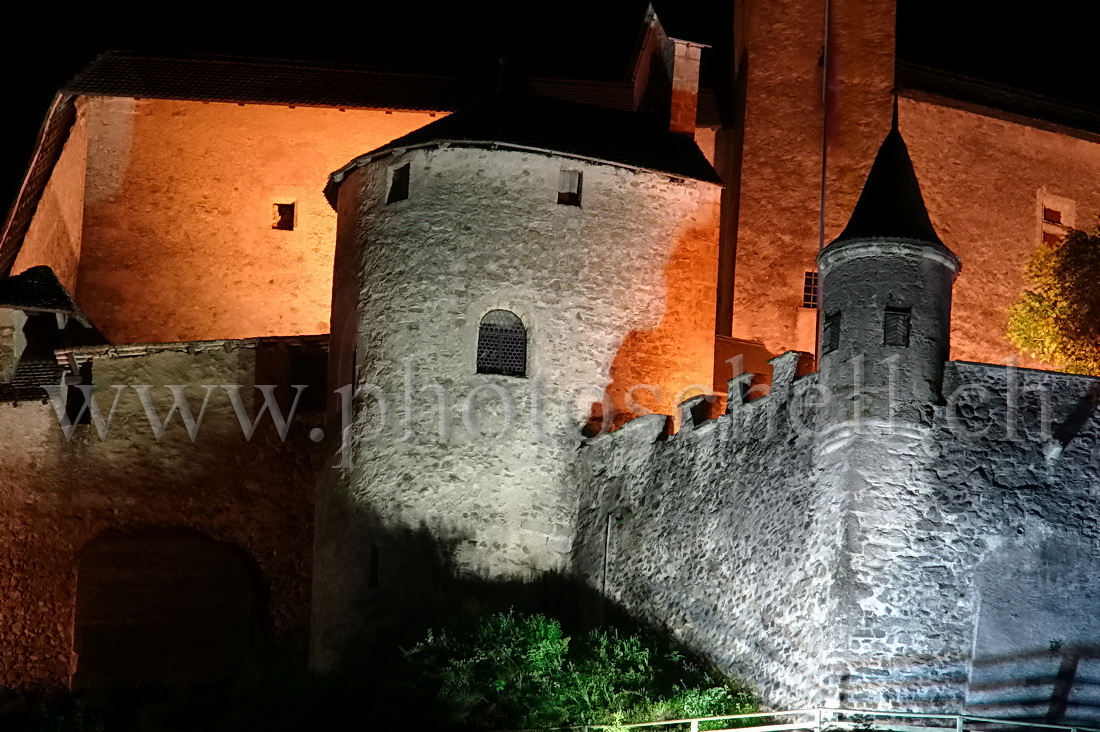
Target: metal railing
(825,719)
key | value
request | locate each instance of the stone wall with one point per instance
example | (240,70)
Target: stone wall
(726,533)
(985,182)
(984,179)
(972,547)
(58,495)
(779,209)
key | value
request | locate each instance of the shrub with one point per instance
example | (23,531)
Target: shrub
(1057,317)
(511,671)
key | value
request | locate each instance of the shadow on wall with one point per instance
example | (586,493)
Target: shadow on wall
(1035,652)
(654,370)
(1058,684)
(409,581)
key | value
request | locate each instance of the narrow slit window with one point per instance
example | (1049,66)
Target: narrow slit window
(77,408)
(569,188)
(309,368)
(502,344)
(372,567)
(282,216)
(1052,216)
(809,291)
(830,334)
(399,184)
(895,327)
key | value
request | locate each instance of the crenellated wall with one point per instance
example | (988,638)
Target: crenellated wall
(726,533)
(936,568)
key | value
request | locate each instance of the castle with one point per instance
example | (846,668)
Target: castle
(495,326)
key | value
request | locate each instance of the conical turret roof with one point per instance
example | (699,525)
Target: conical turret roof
(891,205)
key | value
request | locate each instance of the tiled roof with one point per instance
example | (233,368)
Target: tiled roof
(891,204)
(259,81)
(530,122)
(38,289)
(30,375)
(265,81)
(982,97)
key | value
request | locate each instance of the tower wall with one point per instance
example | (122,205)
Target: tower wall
(615,292)
(866,284)
(781,163)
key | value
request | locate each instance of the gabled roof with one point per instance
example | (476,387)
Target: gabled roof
(38,290)
(267,81)
(995,100)
(539,124)
(891,205)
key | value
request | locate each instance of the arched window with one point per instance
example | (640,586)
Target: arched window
(502,344)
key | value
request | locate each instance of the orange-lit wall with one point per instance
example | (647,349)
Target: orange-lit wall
(985,181)
(177,237)
(780,196)
(54,236)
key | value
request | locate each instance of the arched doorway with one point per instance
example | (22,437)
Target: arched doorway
(163,605)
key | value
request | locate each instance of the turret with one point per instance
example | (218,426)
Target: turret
(886,299)
(497,272)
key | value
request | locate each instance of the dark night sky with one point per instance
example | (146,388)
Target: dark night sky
(1043,48)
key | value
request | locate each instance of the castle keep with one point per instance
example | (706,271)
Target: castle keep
(292,366)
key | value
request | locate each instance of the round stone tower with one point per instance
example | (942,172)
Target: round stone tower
(497,272)
(886,299)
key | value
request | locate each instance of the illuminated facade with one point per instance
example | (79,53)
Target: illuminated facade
(498,283)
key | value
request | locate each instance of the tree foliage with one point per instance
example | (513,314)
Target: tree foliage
(512,671)
(1057,318)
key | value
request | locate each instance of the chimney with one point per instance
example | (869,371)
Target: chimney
(666,76)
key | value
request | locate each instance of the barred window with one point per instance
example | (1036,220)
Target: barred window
(809,290)
(895,327)
(502,344)
(830,334)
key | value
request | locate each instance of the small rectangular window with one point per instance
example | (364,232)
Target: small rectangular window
(399,184)
(569,188)
(895,327)
(830,334)
(282,216)
(1050,238)
(1052,216)
(809,290)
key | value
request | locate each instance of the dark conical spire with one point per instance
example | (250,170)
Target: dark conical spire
(891,204)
